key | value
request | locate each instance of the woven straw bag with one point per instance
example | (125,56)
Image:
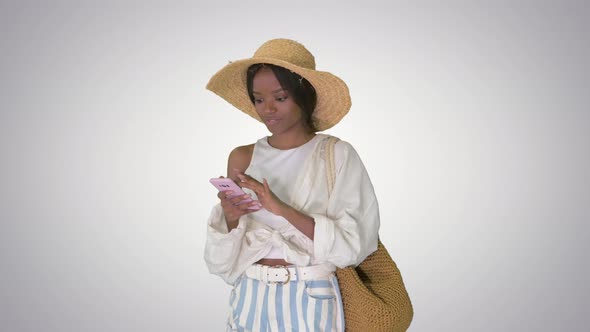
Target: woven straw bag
(373,294)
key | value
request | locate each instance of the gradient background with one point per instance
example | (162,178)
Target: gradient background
(471,118)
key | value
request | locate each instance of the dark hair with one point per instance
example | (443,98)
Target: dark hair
(299,89)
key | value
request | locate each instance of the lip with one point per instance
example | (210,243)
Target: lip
(271,121)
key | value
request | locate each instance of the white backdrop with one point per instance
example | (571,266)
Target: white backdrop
(471,119)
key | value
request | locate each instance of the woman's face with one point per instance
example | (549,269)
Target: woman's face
(274,105)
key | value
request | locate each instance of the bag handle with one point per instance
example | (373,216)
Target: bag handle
(376,284)
(329,162)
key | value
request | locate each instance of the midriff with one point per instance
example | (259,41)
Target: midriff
(273,262)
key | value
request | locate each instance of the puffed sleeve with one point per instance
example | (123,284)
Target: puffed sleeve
(349,231)
(222,248)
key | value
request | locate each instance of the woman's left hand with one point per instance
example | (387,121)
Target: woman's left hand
(266,197)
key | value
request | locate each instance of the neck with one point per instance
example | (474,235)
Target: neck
(290,140)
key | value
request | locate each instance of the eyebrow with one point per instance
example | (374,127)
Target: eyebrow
(275,91)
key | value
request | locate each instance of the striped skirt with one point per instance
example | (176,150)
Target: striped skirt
(311,305)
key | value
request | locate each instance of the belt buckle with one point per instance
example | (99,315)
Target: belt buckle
(288,275)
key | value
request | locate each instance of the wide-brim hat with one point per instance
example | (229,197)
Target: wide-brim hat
(333,98)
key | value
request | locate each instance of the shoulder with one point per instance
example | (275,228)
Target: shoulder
(344,152)
(241,152)
(342,147)
(340,143)
(239,158)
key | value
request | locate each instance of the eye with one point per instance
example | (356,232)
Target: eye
(257,101)
(282,99)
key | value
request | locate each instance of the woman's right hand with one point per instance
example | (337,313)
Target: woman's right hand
(233,209)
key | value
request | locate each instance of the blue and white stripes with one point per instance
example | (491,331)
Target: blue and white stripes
(311,306)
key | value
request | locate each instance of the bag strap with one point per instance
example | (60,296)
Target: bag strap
(363,287)
(329,162)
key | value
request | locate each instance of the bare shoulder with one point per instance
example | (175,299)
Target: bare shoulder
(239,158)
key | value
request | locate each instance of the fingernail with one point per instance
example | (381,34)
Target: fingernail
(229,192)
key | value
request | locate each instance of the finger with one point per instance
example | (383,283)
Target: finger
(238,199)
(246,178)
(224,194)
(242,177)
(250,182)
(254,186)
(249,206)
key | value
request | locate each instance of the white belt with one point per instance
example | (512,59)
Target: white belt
(284,274)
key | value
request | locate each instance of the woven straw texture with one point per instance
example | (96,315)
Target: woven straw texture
(373,294)
(333,98)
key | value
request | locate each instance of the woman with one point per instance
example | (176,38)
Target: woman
(280,251)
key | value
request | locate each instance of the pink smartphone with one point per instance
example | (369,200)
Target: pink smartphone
(224,184)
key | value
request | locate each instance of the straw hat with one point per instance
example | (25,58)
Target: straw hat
(333,98)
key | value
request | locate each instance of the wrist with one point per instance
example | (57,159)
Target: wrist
(284,210)
(231,224)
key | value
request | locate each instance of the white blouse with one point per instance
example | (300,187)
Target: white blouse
(346,221)
(280,168)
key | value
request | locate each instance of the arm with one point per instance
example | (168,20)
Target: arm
(239,159)
(348,232)
(225,233)
(304,223)
(268,200)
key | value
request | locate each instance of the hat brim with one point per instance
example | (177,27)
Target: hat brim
(333,97)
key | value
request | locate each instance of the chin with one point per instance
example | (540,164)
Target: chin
(274,130)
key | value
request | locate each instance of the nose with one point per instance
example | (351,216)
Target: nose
(269,107)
